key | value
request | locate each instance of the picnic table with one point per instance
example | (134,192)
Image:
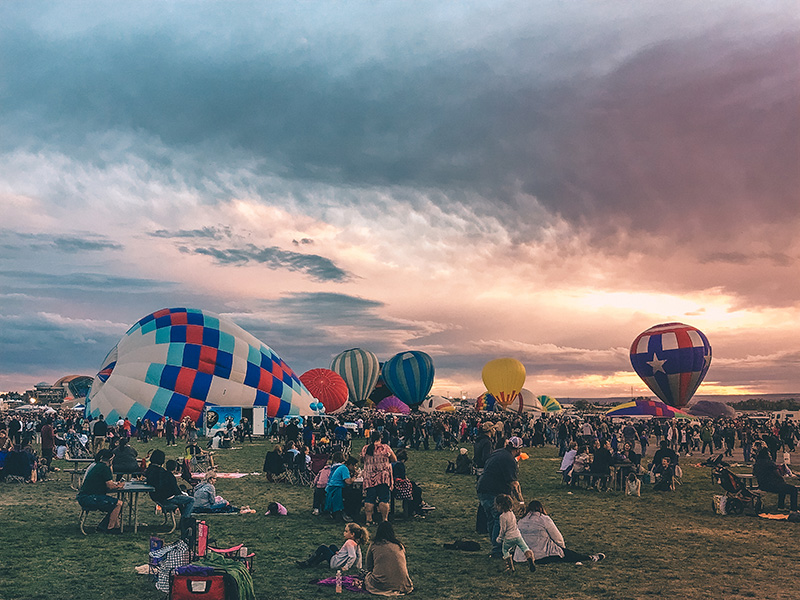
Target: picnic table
(79,466)
(132,489)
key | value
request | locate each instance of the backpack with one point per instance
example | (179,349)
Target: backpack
(321,480)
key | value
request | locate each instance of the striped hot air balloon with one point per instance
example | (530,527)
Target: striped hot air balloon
(409,375)
(359,369)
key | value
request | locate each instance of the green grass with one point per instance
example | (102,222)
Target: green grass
(659,545)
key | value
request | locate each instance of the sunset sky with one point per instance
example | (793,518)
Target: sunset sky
(541,180)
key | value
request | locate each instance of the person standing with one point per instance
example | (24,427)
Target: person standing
(500,476)
(378,480)
(99,433)
(48,442)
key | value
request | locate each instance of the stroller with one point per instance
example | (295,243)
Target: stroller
(738,497)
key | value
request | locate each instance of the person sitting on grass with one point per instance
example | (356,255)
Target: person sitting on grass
(386,564)
(664,476)
(344,558)
(510,535)
(93,494)
(206,499)
(545,540)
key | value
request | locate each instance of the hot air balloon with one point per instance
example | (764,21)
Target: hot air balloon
(327,387)
(485,402)
(672,359)
(642,407)
(504,378)
(525,402)
(359,369)
(437,403)
(393,404)
(409,375)
(549,404)
(176,361)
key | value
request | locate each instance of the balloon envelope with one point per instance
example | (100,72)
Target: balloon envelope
(485,402)
(709,408)
(641,407)
(525,402)
(392,404)
(176,360)
(437,403)
(327,387)
(504,378)
(359,369)
(409,375)
(672,359)
(549,404)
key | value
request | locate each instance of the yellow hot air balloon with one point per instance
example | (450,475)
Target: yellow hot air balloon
(504,378)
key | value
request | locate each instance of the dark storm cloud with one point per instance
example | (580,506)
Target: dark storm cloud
(309,329)
(675,137)
(317,267)
(71,244)
(214,233)
(92,282)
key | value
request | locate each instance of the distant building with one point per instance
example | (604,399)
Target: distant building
(44,393)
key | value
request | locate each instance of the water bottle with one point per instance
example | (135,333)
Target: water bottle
(339,581)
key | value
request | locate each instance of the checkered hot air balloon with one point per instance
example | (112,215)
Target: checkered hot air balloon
(174,362)
(409,375)
(359,369)
(672,359)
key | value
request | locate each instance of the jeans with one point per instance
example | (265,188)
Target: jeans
(492,522)
(184,503)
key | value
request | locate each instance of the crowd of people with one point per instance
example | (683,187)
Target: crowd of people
(317,451)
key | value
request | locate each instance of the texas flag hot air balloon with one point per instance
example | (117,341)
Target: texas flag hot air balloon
(672,359)
(504,378)
(327,387)
(174,362)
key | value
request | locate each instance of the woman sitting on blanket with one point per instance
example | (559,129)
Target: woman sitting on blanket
(386,563)
(206,499)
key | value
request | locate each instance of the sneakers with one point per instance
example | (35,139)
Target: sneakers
(315,512)
(598,557)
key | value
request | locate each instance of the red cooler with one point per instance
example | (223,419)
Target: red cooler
(197,587)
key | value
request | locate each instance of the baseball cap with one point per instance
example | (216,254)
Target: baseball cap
(514,442)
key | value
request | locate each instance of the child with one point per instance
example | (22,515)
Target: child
(341,475)
(509,534)
(633,485)
(349,555)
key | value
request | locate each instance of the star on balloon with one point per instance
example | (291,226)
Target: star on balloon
(656,364)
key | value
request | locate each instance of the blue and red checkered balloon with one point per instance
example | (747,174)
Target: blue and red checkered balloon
(672,359)
(176,361)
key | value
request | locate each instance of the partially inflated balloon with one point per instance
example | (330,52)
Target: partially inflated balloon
(525,402)
(359,369)
(504,378)
(485,402)
(176,361)
(327,387)
(409,375)
(672,359)
(436,403)
(393,404)
(549,404)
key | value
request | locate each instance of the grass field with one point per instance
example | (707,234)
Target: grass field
(658,546)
